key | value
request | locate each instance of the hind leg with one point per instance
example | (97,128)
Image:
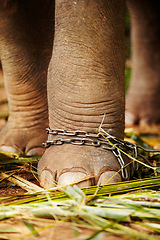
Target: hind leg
(143,98)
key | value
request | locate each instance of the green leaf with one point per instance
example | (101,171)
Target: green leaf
(111,213)
(9,230)
(158,169)
(75,194)
(31,228)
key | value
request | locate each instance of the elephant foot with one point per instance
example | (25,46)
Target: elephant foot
(142,109)
(83,165)
(27,141)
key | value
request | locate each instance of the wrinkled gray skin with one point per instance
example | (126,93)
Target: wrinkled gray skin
(81,45)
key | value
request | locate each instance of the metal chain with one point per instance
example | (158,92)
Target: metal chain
(77,133)
(103,140)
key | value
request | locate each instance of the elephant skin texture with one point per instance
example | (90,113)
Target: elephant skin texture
(63,64)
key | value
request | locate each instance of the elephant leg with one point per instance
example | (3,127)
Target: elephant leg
(143,98)
(86,81)
(25,50)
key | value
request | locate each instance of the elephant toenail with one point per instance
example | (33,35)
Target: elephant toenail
(35,151)
(130,119)
(46,179)
(10,149)
(79,178)
(144,122)
(109,177)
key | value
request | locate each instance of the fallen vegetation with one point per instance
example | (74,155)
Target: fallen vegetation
(129,210)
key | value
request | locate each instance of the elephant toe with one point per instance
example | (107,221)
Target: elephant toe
(109,177)
(79,178)
(47,179)
(130,119)
(35,151)
(13,149)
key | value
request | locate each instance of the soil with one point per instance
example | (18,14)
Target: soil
(58,232)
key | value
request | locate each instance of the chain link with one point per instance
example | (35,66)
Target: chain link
(105,141)
(77,133)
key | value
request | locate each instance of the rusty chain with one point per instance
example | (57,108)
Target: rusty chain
(103,140)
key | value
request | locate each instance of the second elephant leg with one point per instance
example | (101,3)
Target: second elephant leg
(86,81)
(24,35)
(143,98)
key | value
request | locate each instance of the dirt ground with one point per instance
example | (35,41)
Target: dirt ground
(59,232)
